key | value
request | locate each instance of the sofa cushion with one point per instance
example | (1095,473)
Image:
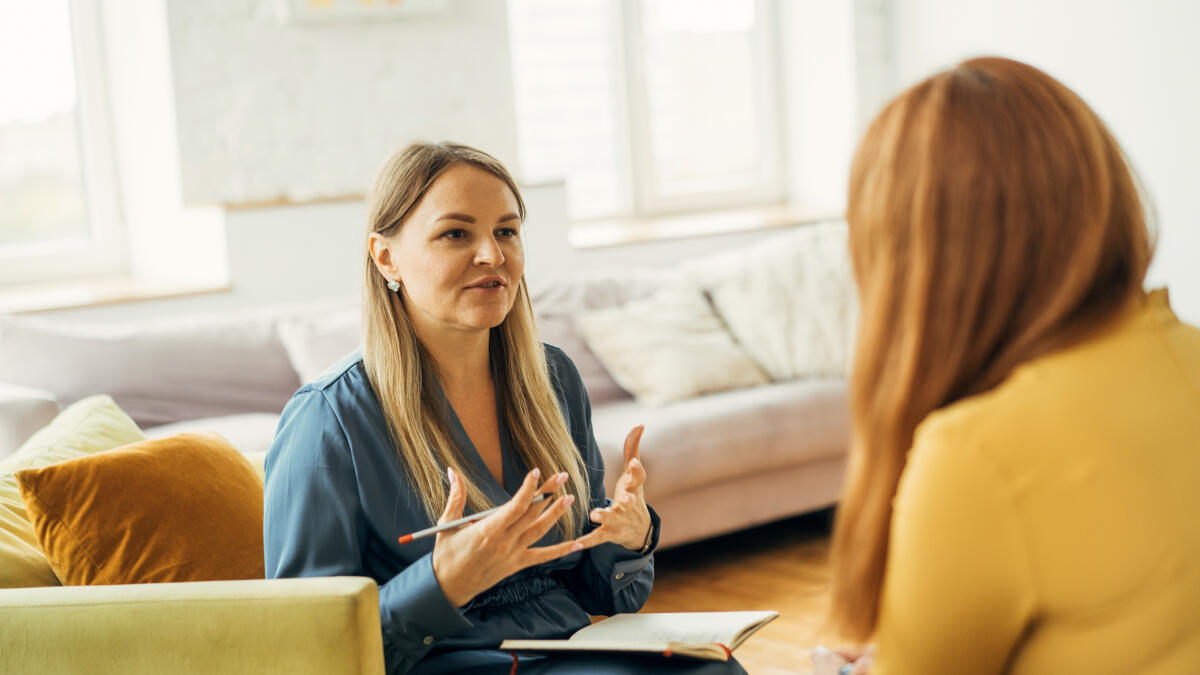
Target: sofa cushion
(157,372)
(88,426)
(789,300)
(668,347)
(719,437)
(560,331)
(316,341)
(250,433)
(182,508)
(557,303)
(22,412)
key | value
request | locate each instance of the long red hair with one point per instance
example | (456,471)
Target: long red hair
(993,218)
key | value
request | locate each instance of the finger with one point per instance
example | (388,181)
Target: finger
(631,443)
(538,508)
(601,516)
(634,477)
(623,503)
(544,554)
(862,666)
(849,652)
(519,504)
(456,501)
(553,483)
(594,538)
(539,527)
(826,661)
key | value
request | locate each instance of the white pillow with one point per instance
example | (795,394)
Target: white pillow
(316,342)
(668,347)
(557,303)
(789,300)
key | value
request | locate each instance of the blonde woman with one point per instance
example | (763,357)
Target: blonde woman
(455,405)
(1026,419)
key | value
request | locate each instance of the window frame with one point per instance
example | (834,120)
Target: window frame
(103,250)
(646,200)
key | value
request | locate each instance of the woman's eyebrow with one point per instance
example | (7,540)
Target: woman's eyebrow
(471,219)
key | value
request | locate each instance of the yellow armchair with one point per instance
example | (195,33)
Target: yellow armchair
(325,626)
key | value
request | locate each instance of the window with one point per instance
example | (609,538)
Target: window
(648,107)
(58,205)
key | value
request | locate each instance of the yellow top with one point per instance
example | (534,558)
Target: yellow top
(1052,524)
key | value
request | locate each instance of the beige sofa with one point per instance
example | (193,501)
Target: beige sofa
(717,462)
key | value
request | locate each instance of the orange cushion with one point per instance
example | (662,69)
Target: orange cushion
(184,508)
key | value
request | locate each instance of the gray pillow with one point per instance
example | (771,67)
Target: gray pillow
(157,372)
(22,412)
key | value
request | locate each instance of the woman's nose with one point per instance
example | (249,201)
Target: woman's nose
(489,253)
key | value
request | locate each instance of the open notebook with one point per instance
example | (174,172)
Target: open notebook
(704,635)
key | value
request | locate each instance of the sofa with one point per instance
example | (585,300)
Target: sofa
(741,428)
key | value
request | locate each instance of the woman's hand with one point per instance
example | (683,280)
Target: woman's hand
(843,660)
(627,521)
(471,559)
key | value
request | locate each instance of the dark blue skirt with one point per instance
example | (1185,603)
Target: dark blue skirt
(496,662)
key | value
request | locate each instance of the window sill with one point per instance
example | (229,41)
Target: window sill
(626,231)
(93,292)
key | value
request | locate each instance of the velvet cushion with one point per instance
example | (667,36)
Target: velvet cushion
(184,508)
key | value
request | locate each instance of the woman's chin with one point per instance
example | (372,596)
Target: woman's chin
(484,320)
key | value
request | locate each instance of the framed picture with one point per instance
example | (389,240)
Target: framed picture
(329,11)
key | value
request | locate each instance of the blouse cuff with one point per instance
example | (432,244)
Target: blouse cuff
(621,564)
(414,610)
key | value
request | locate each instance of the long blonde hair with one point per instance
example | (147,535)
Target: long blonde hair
(403,373)
(993,219)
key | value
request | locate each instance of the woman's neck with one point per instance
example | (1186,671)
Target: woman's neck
(462,358)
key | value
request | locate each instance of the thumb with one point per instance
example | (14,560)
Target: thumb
(456,500)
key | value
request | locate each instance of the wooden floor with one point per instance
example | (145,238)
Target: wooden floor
(780,566)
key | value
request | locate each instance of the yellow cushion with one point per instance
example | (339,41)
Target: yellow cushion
(88,426)
(258,460)
(182,508)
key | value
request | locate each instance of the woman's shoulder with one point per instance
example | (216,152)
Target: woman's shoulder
(563,373)
(341,389)
(347,372)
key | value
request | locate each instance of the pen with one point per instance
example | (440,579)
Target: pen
(462,521)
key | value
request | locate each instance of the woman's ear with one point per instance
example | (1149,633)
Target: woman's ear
(381,254)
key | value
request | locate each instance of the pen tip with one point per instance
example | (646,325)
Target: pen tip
(406,538)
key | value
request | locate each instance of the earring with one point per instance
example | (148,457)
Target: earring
(393,285)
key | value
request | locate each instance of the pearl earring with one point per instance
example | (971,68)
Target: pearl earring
(393,285)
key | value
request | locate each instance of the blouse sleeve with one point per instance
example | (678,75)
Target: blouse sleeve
(958,590)
(610,579)
(313,525)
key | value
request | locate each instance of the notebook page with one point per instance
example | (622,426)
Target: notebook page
(684,627)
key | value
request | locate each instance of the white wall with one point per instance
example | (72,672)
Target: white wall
(1136,63)
(298,254)
(265,109)
(270,109)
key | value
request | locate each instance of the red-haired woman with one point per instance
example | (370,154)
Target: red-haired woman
(1023,491)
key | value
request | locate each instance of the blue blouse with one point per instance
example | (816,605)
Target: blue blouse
(337,499)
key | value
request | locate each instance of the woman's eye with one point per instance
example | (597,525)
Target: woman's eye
(507,232)
(454,234)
